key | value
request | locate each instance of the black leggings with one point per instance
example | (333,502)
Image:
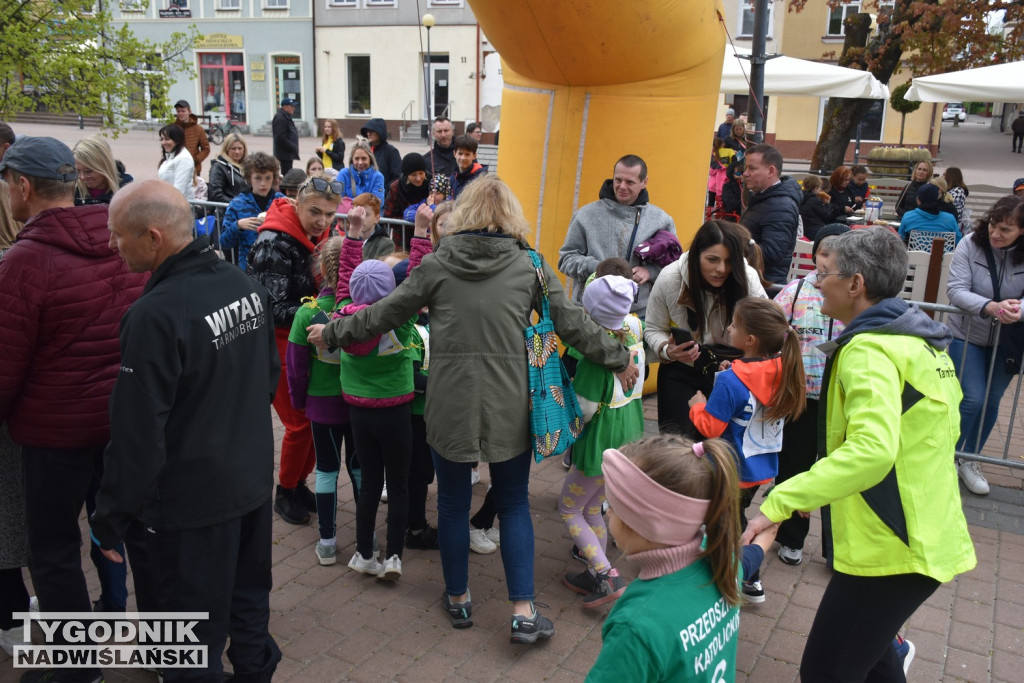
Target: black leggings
(677,383)
(421,474)
(13,597)
(383,439)
(851,638)
(799,452)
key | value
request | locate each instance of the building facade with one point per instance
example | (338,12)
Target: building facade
(817,33)
(250,55)
(376,59)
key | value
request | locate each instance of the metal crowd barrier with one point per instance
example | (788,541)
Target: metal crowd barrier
(973,451)
(216,209)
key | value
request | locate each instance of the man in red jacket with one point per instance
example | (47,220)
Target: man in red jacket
(63,292)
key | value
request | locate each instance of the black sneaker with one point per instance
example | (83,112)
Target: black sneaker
(288,507)
(425,539)
(609,586)
(583,583)
(753,592)
(306,498)
(460,614)
(577,555)
(527,631)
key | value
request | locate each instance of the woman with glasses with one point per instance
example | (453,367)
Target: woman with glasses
(992,254)
(99,174)
(696,295)
(281,260)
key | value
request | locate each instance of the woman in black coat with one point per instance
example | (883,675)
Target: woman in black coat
(226,178)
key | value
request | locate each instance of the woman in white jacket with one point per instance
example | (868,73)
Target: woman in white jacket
(697,293)
(176,163)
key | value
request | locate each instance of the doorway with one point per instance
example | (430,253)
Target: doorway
(437,77)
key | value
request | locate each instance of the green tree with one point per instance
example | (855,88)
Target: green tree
(68,55)
(898,101)
(923,36)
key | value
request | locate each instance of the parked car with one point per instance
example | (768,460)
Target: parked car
(954,110)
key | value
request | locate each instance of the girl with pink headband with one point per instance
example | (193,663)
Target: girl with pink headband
(673,510)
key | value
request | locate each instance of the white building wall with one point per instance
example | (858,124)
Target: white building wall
(396,75)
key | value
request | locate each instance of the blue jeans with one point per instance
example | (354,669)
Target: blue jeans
(510,481)
(972,383)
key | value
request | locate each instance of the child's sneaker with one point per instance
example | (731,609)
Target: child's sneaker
(424,539)
(461,613)
(494,533)
(529,630)
(904,650)
(753,592)
(575,554)
(479,543)
(583,583)
(363,565)
(326,554)
(791,556)
(609,587)
(391,570)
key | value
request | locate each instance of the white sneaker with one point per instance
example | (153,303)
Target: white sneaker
(791,556)
(494,533)
(391,570)
(366,566)
(384,493)
(33,604)
(974,480)
(479,543)
(11,637)
(474,477)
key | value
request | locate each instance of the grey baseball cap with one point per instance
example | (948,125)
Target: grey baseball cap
(40,158)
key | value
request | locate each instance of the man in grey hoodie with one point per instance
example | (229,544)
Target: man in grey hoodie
(613,226)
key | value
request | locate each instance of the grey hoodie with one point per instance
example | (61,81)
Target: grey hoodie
(604,229)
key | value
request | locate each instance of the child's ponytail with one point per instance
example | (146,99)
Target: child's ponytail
(722,524)
(791,397)
(766,320)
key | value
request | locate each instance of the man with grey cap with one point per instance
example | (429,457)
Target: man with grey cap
(63,292)
(286,135)
(725,129)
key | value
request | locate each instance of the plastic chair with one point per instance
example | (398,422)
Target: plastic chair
(921,240)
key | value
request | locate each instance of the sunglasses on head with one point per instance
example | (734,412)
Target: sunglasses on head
(321,185)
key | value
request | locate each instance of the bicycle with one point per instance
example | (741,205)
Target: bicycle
(217,130)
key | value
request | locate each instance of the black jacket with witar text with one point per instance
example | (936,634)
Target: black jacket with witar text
(191,437)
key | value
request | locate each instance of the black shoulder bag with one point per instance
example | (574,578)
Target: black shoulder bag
(1010,345)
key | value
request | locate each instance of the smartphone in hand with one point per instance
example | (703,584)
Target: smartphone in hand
(680,336)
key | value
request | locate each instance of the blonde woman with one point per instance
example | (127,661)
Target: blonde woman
(481,286)
(331,148)
(362,174)
(98,174)
(227,180)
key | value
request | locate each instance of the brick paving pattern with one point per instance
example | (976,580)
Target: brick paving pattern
(334,624)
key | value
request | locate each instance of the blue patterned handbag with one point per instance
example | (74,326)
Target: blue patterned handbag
(556,420)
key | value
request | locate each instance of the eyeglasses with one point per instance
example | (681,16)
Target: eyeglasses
(821,276)
(321,185)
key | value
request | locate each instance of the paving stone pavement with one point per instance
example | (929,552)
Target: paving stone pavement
(336,625)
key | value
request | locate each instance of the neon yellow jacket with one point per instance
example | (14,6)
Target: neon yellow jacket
(889,475)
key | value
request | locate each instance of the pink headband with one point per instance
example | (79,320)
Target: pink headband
(649,508)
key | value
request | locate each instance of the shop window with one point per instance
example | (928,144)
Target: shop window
(222,78)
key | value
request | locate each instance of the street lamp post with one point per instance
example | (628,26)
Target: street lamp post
(428,21)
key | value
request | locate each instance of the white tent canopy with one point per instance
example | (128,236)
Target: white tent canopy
(997,83)
(791,76)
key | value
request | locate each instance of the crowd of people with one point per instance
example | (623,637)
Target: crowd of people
(405,360)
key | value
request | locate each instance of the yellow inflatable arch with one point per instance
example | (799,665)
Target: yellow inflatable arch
(587,81)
